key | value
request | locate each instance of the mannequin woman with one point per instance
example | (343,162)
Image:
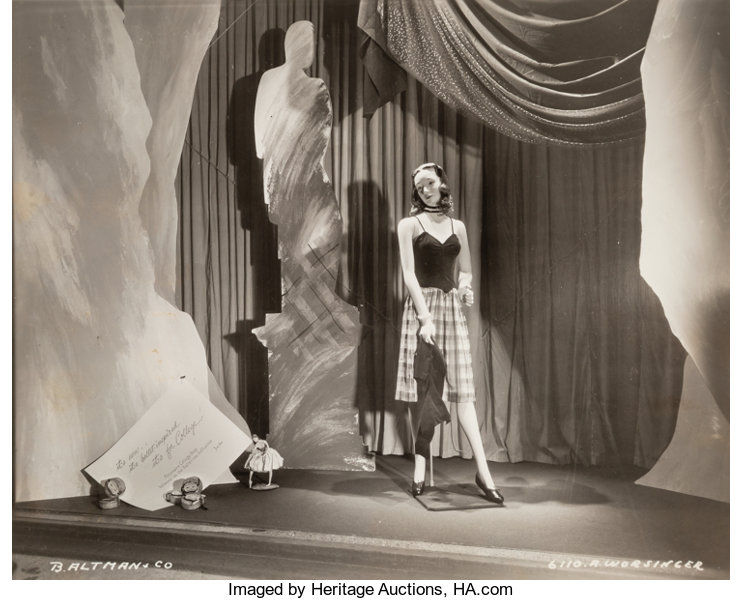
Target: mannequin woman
(437,270)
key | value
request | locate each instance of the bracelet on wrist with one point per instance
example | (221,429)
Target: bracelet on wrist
(425,317)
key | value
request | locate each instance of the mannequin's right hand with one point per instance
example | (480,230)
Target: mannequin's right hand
(427,331)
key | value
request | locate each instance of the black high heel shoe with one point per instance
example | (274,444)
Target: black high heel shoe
(491,494)
(417,488)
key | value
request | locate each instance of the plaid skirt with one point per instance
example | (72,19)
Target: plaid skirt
(451,337)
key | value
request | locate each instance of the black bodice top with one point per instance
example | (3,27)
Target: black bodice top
(436,262)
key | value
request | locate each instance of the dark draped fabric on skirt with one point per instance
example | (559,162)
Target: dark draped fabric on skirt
(573,357)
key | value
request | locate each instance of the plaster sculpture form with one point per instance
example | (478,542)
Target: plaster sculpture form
(312,342)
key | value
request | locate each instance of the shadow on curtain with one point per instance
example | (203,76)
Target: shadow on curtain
(266,267)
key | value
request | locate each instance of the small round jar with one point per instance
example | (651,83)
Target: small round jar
(107,503)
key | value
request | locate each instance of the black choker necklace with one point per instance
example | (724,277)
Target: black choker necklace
(436,209)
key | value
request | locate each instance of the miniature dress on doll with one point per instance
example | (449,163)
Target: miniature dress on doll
(263,459)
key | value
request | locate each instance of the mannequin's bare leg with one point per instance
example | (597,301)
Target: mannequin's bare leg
(419,474)
(270,475)
(468,421)
(250,480)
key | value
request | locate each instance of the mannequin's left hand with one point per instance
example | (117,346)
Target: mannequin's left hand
(466,295)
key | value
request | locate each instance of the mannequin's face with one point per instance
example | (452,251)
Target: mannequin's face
(427,184)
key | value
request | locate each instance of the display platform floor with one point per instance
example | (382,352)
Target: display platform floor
(558,522)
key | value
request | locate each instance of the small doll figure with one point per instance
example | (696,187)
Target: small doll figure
(112,489)
(263,459)
(192,496)
(187,493)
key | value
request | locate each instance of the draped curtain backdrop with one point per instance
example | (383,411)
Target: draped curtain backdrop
(574,359)
(558,71)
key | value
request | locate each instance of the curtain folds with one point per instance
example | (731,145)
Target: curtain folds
(579,358)
(574,359)
(564,71)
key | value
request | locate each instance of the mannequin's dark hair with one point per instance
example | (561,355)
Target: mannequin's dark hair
(447,203)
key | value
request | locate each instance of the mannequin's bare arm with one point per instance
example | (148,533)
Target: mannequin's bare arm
(464,263)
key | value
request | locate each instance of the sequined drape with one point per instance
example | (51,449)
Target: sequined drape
(561,72)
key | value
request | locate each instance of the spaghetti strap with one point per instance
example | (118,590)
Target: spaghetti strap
(419,222)
(452,225)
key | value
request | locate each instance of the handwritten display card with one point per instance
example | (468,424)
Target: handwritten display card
(182,435)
